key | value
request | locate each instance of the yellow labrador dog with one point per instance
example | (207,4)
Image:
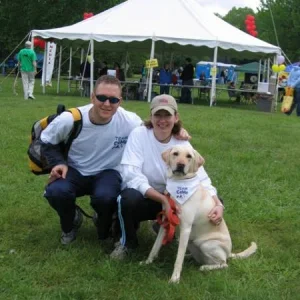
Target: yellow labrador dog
(209,244)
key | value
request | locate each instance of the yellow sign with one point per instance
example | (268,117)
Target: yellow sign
(151,63)
(213,71)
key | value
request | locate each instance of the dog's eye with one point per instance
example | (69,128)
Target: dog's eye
(189,156)
(175,153)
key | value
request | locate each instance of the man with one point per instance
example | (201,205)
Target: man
(27,64)
(165,79)
(187,76)
(93,159)
(92,165)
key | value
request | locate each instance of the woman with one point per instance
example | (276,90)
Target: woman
(144,172)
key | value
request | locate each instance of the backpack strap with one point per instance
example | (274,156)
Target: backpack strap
(76,113)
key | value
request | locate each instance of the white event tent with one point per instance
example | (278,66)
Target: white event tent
(183,22)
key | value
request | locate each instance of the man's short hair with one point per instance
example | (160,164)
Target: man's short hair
(108,79)
(188,59)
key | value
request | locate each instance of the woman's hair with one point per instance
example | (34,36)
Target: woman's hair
(175,130)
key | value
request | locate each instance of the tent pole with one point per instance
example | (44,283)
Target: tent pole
(265,65)
(268,70)
(44,72)
(151,71)
(213,83)
(259,71)
(59,67)
(92,68)
(70,70)
(126,59)
(81,55)
(276,90)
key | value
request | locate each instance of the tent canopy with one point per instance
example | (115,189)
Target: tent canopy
(184,22)
(249,68)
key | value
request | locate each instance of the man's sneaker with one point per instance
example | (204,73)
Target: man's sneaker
(120,252)
(68,237)
(31,97)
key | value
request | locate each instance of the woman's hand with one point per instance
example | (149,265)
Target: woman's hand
(216,214)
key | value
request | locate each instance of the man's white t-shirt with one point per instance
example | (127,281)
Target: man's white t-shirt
(142,166)
(97,147)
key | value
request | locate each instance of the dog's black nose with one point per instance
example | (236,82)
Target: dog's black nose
(180,167)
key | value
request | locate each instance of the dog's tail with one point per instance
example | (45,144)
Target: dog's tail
(246,253)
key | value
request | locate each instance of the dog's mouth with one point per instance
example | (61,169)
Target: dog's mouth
(179,171)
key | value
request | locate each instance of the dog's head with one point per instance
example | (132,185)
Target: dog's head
(182,161)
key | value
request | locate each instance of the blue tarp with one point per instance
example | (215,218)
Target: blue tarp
(289,67)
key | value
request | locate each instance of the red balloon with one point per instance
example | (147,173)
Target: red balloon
(42,44)
(39,43)
(250,17)
(87,15)
(247,22)
(255,33)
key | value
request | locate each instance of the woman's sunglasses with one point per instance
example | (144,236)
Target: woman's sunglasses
(103,98)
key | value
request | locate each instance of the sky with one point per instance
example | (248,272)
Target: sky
(224,6)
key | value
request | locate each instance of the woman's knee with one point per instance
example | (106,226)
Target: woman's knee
(130,198)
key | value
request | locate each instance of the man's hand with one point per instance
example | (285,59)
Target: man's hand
(216,214)
(59,171)
(183,135)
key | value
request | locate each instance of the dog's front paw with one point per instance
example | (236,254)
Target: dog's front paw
(175,278)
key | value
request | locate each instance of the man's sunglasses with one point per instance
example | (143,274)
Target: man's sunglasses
(103,98)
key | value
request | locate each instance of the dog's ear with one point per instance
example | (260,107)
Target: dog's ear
(198,161)
(166,156)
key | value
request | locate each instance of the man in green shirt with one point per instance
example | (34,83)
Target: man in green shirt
(27,64)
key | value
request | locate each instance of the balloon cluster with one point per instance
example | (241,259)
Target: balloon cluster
(87,15)
(280,66)
(250,25)
(39,43)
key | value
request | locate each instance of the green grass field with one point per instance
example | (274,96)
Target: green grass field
(253,160)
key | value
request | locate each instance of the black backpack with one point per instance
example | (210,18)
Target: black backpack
(37,163)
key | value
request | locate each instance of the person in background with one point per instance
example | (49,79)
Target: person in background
(85,67)
(27,65)
(202,76)
(85,71)
(222,77)
(294,82)
(187,76)
(143,72)
(119,72)
(165,79)
(145,173)
(103,70)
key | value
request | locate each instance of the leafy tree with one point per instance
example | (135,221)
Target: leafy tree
(17,18)
(237,16)
(287,25)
